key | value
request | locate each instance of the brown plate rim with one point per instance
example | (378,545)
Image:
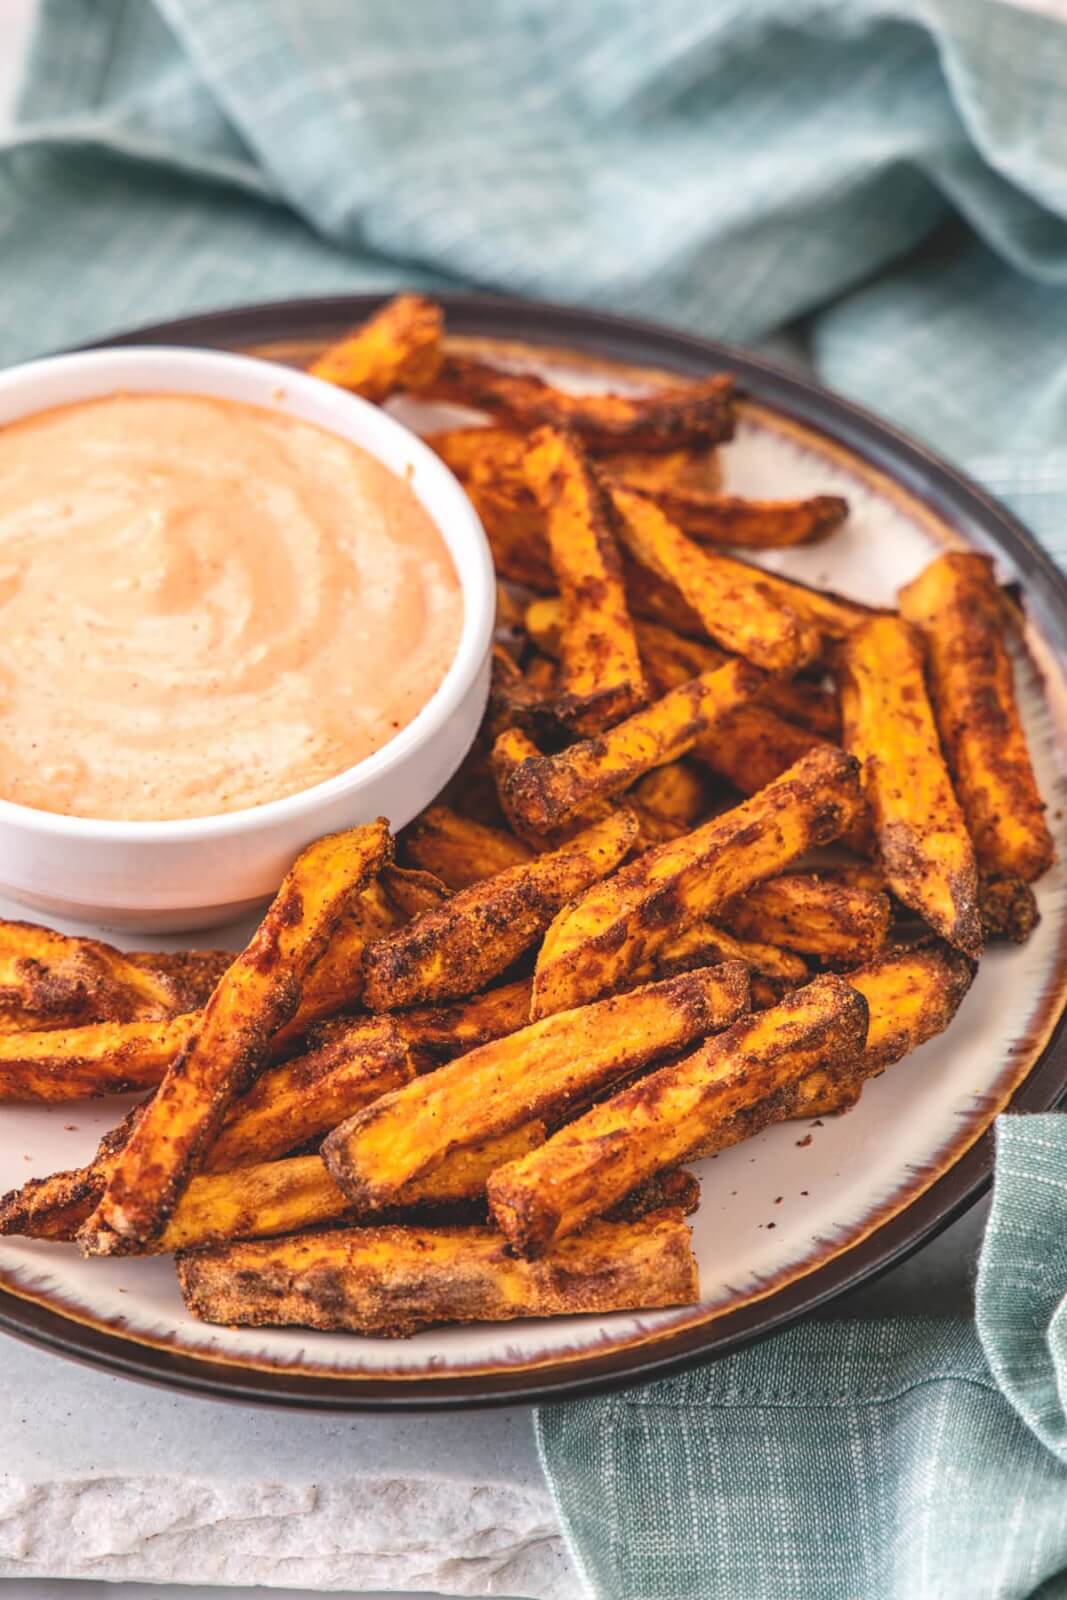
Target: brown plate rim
(948,492)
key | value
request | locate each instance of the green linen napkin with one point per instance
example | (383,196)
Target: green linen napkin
(889,179)
(887,1459)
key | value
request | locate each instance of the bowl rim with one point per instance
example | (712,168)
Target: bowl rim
(475,573)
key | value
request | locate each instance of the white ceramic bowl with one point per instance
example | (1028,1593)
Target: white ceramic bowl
(168,876)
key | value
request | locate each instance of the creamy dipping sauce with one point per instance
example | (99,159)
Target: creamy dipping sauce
(204,606)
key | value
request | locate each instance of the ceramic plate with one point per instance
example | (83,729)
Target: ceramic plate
(789,1219)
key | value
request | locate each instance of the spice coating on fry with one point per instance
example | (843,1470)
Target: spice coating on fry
(956,603)
(922,837)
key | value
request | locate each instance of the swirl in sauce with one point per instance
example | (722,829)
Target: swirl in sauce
(204,606)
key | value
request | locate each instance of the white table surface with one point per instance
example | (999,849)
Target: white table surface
(107,1481)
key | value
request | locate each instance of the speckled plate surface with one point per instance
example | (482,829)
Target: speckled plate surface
(789,1219)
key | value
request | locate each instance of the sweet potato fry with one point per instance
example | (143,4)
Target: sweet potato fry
(259,994)
(752,745)
(684,414)
(289,1196)
(956,603)
(670,800)
(483,455)
(736,607)
(747,524)
(611,930)
(677,1188)
(813,915)
(515,528)
(437,1033)
(101,1058)
(587,1167)
(834,616)
(601,675)
(925,848)
(704,944)
(50,980)
(335,982)
(698,469)
(458,851)
(399,348)
(539,1072)
(466,943)
(669,658)
(392,1281)
(348,1065)
(543,792)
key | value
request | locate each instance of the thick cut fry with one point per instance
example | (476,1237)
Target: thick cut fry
(335,982)
(925,848)
(957,605)
(832,614)
(392,1281)
(458,851)
(515,528)
(289,1196)
(347,1067)
(736,607)
(669,658)
(753,524)
(589,1165)
(258,995)
(752,745)
(595,942)
(704,944)
(670,800)
(698,469)
(813,915)
(685,414)
(601,673)
(677,1188)
(51,980)
(466,943)
(483,455)
(541,1071)
(399,348)
(437,1033)
(543,792)
(101,1058)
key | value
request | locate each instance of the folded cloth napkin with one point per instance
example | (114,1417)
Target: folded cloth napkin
(887,178)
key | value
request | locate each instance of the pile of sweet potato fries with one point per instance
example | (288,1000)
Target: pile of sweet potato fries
(455,1075)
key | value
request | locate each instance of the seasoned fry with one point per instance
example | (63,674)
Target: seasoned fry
(437,1033)
(541,793)
(669,658)
(685,414)
(752,745)
(1008,908)
(348,1065)
(753,524)
(50,980)
(399,348)
(483,455)
(704,944)
(515,528)
(832,614)
(289,1196)
(101,1058)
(670,800)
(733,602)
(412,891)
(392,1281)
(956,603)
(335,982)
(589,1165)
(698,469)
(458,851)
(260,992)
(471,939)
(925,848)
(601,675)
(813,915)
(611,930)
(541,1071)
